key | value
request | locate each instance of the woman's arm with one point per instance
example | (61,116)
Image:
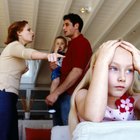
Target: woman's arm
(18,50)
(51,57)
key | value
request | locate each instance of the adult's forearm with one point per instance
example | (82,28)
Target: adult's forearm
(70,80)
(39,55)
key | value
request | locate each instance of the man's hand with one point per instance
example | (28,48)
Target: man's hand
(51,99)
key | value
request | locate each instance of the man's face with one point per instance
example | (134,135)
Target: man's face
(69,29)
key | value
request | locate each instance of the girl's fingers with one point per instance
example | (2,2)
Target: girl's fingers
(111,43)
(107,50)
(128,46)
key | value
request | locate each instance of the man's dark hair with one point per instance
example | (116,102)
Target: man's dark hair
(74,18)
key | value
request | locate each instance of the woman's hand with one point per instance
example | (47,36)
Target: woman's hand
(135,53)
(52,57)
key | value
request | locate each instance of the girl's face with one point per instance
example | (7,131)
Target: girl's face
(26,35)
(59,45)
(121,73)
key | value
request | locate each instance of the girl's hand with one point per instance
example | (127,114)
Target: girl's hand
(52,57)
(106,51)
(135,53)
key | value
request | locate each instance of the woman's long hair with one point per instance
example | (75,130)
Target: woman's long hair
(13,29)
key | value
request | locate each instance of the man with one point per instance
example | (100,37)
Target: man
(73,66)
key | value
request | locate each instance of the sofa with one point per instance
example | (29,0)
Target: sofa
(120,130)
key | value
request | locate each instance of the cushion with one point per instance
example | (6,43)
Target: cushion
(38,134)
(60,133)
(35,124)
(118,130)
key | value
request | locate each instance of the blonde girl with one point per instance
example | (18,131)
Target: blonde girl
(105,93)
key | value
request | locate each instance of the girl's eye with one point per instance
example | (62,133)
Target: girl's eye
(112,68)
(129,71)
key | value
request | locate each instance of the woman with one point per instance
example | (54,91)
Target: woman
(12,66)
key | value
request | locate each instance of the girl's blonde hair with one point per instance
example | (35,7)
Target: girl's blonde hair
(85,82)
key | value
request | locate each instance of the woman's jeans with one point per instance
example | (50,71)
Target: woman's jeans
(8,116)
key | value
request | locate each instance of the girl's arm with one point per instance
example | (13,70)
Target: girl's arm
(80,103)
(94,100)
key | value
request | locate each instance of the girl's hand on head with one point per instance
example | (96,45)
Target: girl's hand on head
(135,53)
(52,57)
(106,51)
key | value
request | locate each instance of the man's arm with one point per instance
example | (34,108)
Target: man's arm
(70,80)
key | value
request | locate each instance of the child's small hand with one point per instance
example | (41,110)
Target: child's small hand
(53,65)
(135,53)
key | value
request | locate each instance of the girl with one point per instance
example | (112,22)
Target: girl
(12,66)
(60,46)
(105,93)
